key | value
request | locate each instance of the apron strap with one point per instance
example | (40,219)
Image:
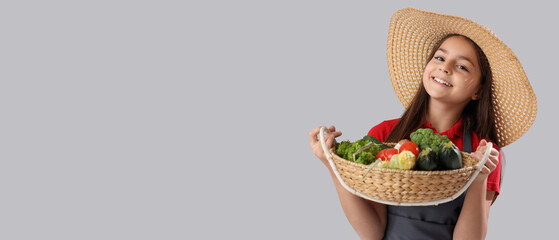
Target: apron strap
(466,140)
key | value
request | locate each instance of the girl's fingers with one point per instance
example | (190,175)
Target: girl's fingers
(492,161)
(478,154)
(313,133)
(494,152)
(330,136)
(330,140)
(491,165)
(481,150)
(475,155)
(482,146)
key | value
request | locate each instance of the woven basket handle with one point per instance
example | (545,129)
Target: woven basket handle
(324,130)
(479,166)
(333,165)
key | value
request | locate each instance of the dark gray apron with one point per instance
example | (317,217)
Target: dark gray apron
(426,222)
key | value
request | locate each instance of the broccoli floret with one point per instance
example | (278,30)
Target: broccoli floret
(346,149)
(343,148)
(416,137)
(354,147)
(365,158)
(425,137)
(437,140)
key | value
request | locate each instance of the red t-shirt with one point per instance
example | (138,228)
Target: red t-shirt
(455,134)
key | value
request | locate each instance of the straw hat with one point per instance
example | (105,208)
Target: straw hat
(412,35)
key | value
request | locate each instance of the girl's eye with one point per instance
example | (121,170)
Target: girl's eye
(463,68)
(439,58)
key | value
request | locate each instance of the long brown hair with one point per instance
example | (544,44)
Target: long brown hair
(477,113)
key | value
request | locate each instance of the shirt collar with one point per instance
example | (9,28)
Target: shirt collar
(455,131)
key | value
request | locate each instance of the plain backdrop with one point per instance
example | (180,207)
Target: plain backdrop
(190,119)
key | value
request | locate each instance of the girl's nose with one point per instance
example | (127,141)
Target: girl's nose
(444,68)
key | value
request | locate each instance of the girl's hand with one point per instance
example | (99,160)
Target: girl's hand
(491,162)
(317,146)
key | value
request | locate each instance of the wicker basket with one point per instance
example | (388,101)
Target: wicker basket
(404,187)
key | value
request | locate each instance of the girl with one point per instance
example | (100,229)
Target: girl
(462,92)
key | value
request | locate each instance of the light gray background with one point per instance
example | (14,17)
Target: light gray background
(190,120)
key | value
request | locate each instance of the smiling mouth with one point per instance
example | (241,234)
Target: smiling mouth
(442,82)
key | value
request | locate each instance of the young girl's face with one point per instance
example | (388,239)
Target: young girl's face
(453,74)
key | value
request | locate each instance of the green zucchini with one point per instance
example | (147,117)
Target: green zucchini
(450,156)
(427,160)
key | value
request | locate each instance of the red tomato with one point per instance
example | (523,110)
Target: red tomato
(410,146)
(386,154)
(400,143)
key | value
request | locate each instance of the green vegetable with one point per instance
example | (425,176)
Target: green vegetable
(365,158)
(376,142)
(346,149)
(382,164)
(427,160)
(343,148)
(424,137)
(450,156)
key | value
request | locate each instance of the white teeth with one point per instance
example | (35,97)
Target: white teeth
(442,82)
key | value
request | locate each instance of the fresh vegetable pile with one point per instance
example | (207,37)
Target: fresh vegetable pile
(362,151)
(437,151)
(426,151)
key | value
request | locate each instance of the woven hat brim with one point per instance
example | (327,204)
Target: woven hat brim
(412,35)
